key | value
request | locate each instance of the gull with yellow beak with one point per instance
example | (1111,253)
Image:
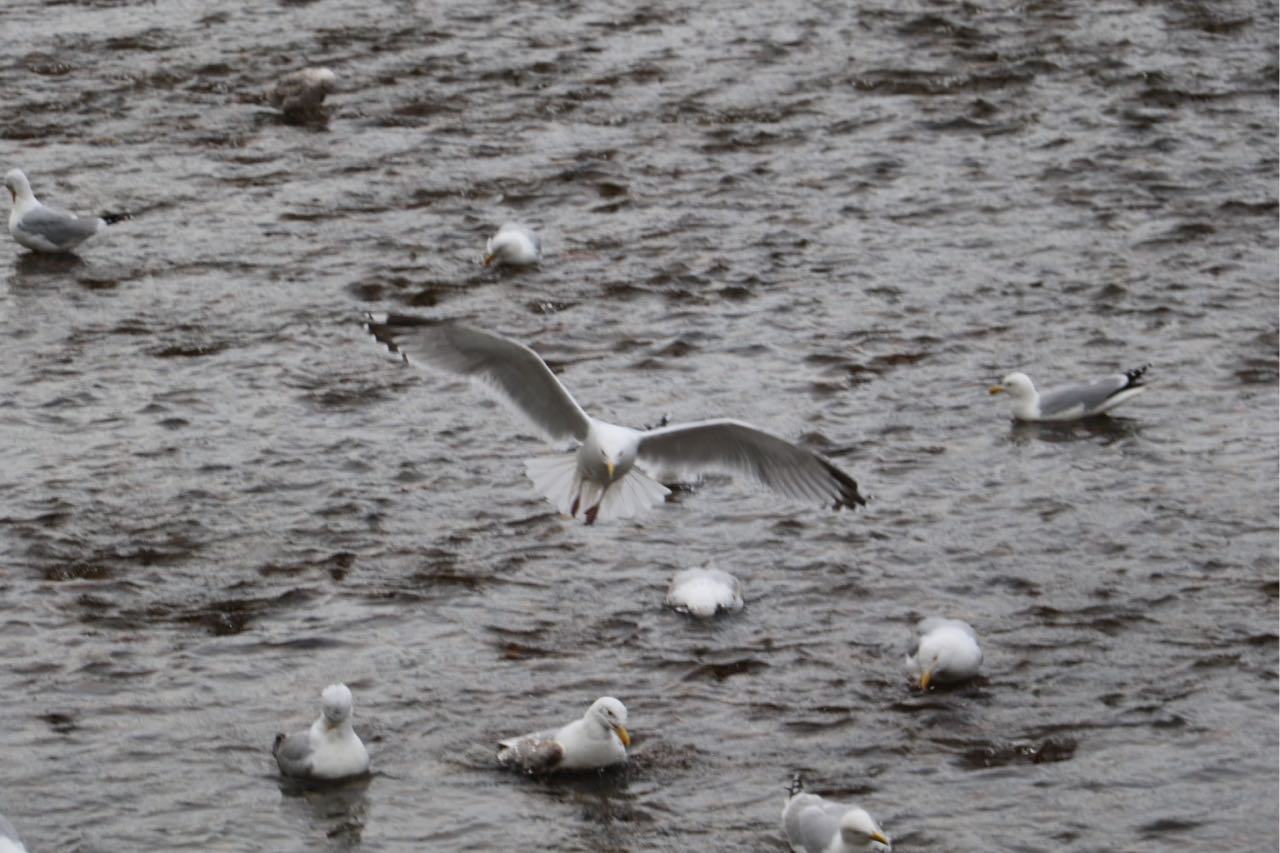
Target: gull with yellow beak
(513,245)
(1070,402)
(600,480)
(814,824)
(599,739)
(947,652)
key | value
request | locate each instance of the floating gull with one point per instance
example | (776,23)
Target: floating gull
(946,652)
(329,750)
(9,840)
(513,245)
(1069,402)
(302,93)
(599,739)
(599,478)
(813,824)
(703,591)
(46,229)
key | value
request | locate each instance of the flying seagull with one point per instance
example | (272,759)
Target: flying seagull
(330,749)
(1070,402)
(46,229)
(600,480)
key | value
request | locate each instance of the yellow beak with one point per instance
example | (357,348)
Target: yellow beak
(996,389)
(623,735)
(925,678)
(488,260)
(880,836)
(610,467)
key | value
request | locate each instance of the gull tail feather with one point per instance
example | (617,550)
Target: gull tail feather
(556,477)
(633,494)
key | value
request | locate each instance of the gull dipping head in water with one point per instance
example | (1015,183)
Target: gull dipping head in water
(599,739)
(947,652)
(46,229)
(1070,402)
(704,591)
(302,93)
(328,751)
(513,246)
(813,824)
(599,480)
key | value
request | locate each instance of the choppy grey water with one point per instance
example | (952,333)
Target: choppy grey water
(840,221)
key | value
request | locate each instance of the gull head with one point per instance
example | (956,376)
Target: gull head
(857,828)
(611,449)
(335,704)
(17,185)
(1017,385)
(610,714)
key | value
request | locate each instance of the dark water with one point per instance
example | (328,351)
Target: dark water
(839,221)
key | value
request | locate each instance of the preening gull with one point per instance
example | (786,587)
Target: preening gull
(46,229)
(600,479)
(599,739)
(303,92)
(330,749)
(1070,402)
(513,245)
(947,652)
(813,824)
(9,840)
(704,591)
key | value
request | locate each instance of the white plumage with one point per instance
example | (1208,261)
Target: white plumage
(947,652)
(330,749)
(704,592)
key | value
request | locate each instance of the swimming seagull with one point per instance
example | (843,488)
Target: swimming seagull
(46,229)
(513,245)
(704,591)
(9,840)
(600,479)
(599,739)
(302,93)
(330,749)
(1070,402)
(813,824)
(947,652)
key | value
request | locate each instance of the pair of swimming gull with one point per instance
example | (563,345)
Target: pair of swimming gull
(330,750)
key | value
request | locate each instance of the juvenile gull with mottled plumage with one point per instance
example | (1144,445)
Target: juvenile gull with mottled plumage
(600,739)
(600,479)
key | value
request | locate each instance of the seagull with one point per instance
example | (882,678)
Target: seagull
(302,93)
(600,479)
(513,245)
(9,840)
(599,739)
(46,229)
(1070,402)
(946,652)
(813,824)
(330,749)
(704,591)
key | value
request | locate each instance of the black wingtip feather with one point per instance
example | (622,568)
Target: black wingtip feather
(1135,376)
(849,496)
(385,331)
(113,218)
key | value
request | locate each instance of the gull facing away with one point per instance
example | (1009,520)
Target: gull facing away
(599,739)
(46,229)
(9,840)
(302,93)
(513,245)
(813,824)
(704,591)
(1070,402)
(600,479)
(947,652)
(328,751)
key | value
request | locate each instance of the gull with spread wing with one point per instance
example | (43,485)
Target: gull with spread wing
(600,480)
